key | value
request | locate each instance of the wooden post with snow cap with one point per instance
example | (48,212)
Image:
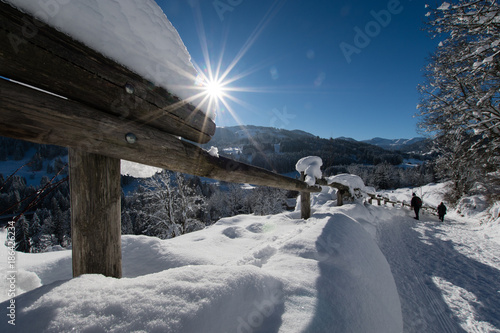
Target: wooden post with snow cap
(305,200)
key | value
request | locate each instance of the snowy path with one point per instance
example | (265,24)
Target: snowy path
(447,274)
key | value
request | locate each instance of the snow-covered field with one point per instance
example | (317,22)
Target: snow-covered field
(245,274)
(356,268)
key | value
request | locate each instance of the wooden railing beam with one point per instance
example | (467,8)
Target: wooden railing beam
(38,117)
(37,54)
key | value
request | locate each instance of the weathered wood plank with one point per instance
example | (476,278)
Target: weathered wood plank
(340,198)
(305,201)
(95,192)
(36,54)
(38,117)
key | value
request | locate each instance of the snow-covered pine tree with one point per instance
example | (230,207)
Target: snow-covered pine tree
(384,176)
(127,226)
(23,241)
(35,229)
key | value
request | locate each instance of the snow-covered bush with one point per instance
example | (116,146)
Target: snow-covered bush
(165,206)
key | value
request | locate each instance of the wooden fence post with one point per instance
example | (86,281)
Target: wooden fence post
(95,214)
(340,197)
(305,201)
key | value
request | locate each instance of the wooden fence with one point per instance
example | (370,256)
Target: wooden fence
(387,201)
(104,113)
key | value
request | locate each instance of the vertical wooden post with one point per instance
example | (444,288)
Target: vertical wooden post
(305,201)
(340,198)
(95,214)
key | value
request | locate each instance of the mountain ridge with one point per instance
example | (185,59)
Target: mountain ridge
(250,131)
(279,149)
(394,144)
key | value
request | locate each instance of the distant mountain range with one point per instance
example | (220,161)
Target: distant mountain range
(279,149)
(397,144)
(236,134)
(233,134)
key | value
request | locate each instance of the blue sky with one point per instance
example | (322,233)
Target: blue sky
(304,65)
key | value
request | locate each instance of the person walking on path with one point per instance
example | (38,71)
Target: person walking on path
(416,204)
(441,209)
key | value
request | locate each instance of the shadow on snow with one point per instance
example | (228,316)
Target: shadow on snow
(416,258)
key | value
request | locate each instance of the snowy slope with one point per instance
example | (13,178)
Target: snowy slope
(356,268)
(244,274)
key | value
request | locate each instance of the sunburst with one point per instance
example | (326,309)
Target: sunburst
(216,86)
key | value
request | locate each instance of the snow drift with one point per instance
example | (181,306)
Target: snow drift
(244,274)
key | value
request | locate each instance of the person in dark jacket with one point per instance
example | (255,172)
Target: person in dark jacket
(416,204)
(441,211)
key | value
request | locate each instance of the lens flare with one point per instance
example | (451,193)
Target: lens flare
(214,89)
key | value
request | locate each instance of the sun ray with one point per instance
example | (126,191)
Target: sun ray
(273,10)
(217,84)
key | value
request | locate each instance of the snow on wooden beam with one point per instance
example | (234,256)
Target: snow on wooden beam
(343,190)
(34,53)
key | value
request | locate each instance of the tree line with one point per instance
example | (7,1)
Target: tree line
(165,206)
(333,152)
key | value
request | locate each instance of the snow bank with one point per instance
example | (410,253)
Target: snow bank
(244,274)
(138,170)
(205,299)
(311,166)
(431,194)
(135,33)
